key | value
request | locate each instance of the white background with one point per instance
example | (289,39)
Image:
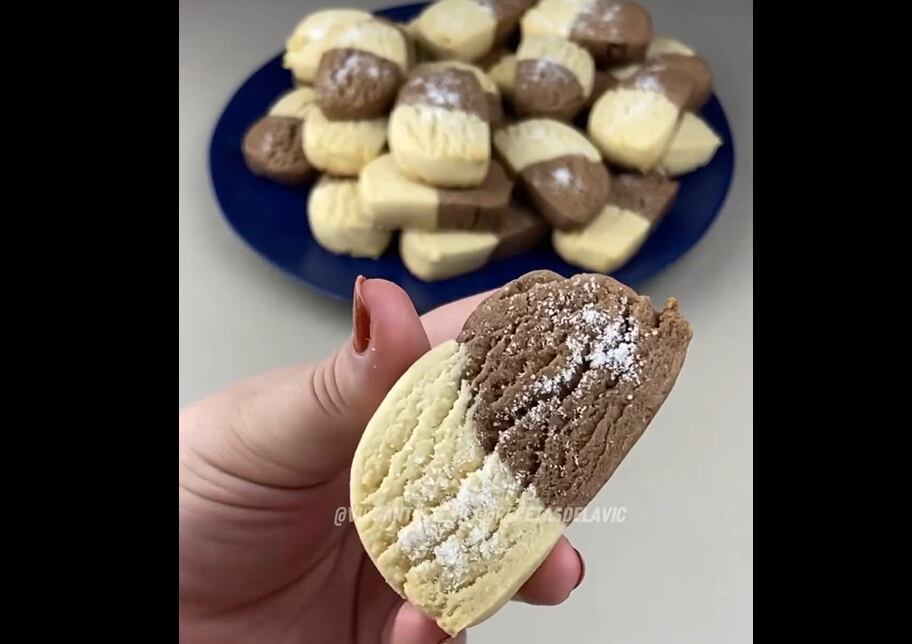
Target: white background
(679,568)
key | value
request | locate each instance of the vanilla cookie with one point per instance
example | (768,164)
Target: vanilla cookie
(273,148)
(553,78)
(293,104)
(391,200)
(342,147)
(693,145)
(467,29)
(441,254)
(338,223)
(613,32)
(560,170)
(361,70)
(490,444)
(635,206)
(439,131)
(306,44)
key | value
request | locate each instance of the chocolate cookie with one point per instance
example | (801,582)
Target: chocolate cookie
(560,170)
(361,71)
(490,444)
(439,131)
(553,78)
(441,254)
(614,32)
(635,206)
(273,148)
(391,200)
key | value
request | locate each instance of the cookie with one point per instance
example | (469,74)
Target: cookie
(492,93)
(441,254)
(633,122)
(391,200)
(338,223)
(467,30)
(490,444)
(361,70)
(635,206)
(666,53)
(553,78)
(342,147)
(613,32)
(293,104)
(693,145)
(273,149)
(439,130)
(560,170)
(306,44)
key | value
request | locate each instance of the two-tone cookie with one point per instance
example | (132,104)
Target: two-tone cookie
(692,146)
(392,200)
(338,223)
(361,70)
(441,254)
(439,130)
(635,206)
(342,147)
(553,78)
(614,32)
(560,170)
(491,90)
(659,45)
(467,29)
(273,149)
(307,43)
(490,444)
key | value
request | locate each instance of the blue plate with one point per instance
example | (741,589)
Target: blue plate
(272,218)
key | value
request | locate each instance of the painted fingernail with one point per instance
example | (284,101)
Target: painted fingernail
(582,568)
(360,319)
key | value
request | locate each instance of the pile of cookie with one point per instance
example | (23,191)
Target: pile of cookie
(475,152)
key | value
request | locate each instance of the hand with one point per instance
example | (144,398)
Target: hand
(264,466)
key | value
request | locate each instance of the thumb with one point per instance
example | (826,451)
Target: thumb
(301,427)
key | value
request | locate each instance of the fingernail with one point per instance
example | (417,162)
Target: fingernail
(360,319)
(582,568)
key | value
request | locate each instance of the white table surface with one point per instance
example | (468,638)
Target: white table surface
(679,568)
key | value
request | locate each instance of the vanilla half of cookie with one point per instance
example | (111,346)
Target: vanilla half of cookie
(553,77)
(636,205)
(392,200)
(491,443)
(560,170)
(361,70)
(693,145)
(338,223)
(439,131)
(342,147)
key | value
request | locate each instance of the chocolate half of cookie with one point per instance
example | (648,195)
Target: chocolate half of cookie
(447,87)
(488,85)
(614,32)
(361,70)
(553,78)
(566,374)
(686,80)
(273,148)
